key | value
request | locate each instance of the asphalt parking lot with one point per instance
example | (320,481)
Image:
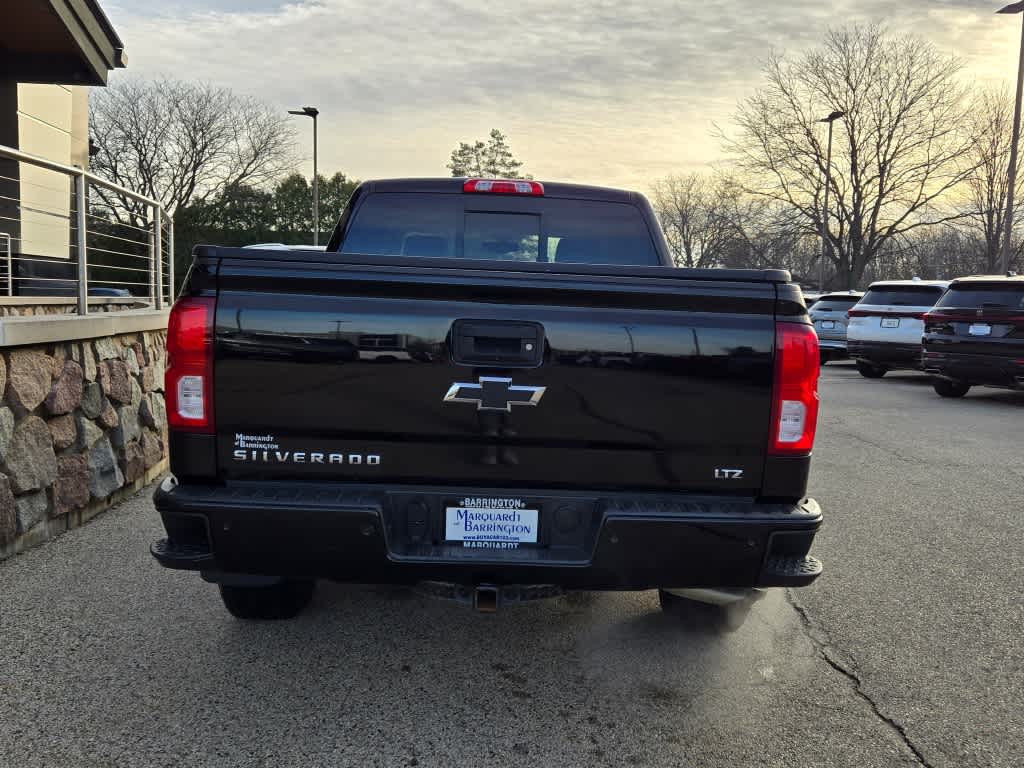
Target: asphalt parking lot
(908,651)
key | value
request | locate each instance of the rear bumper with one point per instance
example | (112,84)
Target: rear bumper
(366,534)
(989,370)
(888,354)
(833,349)
(824,343)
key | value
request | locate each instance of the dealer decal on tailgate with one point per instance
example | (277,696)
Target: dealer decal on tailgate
(491,523)
(267,449)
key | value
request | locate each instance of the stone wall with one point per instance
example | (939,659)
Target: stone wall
(82,425)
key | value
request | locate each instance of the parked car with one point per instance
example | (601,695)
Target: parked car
(886,325)
(54,287)
(504,458)
(96,290)
(284,247)
(810,297)
(828,314)
(975,335)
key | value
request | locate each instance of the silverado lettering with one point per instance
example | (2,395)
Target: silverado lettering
(300,457)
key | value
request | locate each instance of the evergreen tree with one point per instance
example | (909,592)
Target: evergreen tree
(492,160)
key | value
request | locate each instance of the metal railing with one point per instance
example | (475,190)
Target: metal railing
(65,232)
(8,261)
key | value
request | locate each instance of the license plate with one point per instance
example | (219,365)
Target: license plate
(980,329)
(890,322)
(828,325)
(495,526)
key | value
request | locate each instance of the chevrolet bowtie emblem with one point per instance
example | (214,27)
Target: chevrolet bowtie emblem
(493,394)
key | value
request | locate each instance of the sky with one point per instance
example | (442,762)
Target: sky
(593,91)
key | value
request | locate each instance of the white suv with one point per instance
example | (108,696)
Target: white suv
(886,326)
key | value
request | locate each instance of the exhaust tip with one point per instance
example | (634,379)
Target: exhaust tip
(485,598)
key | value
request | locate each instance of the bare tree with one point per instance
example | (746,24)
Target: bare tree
(766,234)
(932,253)
(991,121)
(181,142)
(898,151)
(691,209)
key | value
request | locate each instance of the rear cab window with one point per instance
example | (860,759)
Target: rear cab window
(973,296)
(903,295)
(502,236)
(834,303)
(502,228)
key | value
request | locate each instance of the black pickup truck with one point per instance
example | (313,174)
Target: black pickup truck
(498,391)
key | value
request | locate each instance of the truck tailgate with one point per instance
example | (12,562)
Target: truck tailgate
(365,372)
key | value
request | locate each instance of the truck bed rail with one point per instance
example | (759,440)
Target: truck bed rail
(307,256)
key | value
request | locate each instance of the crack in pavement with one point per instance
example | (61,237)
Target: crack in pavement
(916,460)
(826,650)
(839,426)
(909,459)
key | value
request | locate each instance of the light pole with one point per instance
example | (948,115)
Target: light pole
(1012,171)
(313,112)
(828,183)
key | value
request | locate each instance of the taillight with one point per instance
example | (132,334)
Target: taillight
(188,381)
(504,187)
(972,316)
(933,318)
(795,394)
(918,315)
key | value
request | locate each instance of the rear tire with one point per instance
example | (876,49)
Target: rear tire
(694,614)
(284,600)
(946,388)
(869,371)
(823,359)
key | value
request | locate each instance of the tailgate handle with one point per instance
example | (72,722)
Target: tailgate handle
(498,343)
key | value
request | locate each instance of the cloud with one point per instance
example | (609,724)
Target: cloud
(600,91)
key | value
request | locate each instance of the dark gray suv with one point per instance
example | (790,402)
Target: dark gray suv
(828,314)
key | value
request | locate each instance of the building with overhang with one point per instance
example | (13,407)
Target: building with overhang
(51,53)
(82,415)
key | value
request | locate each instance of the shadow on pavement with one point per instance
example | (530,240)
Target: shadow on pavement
(525,681)
(109,660)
